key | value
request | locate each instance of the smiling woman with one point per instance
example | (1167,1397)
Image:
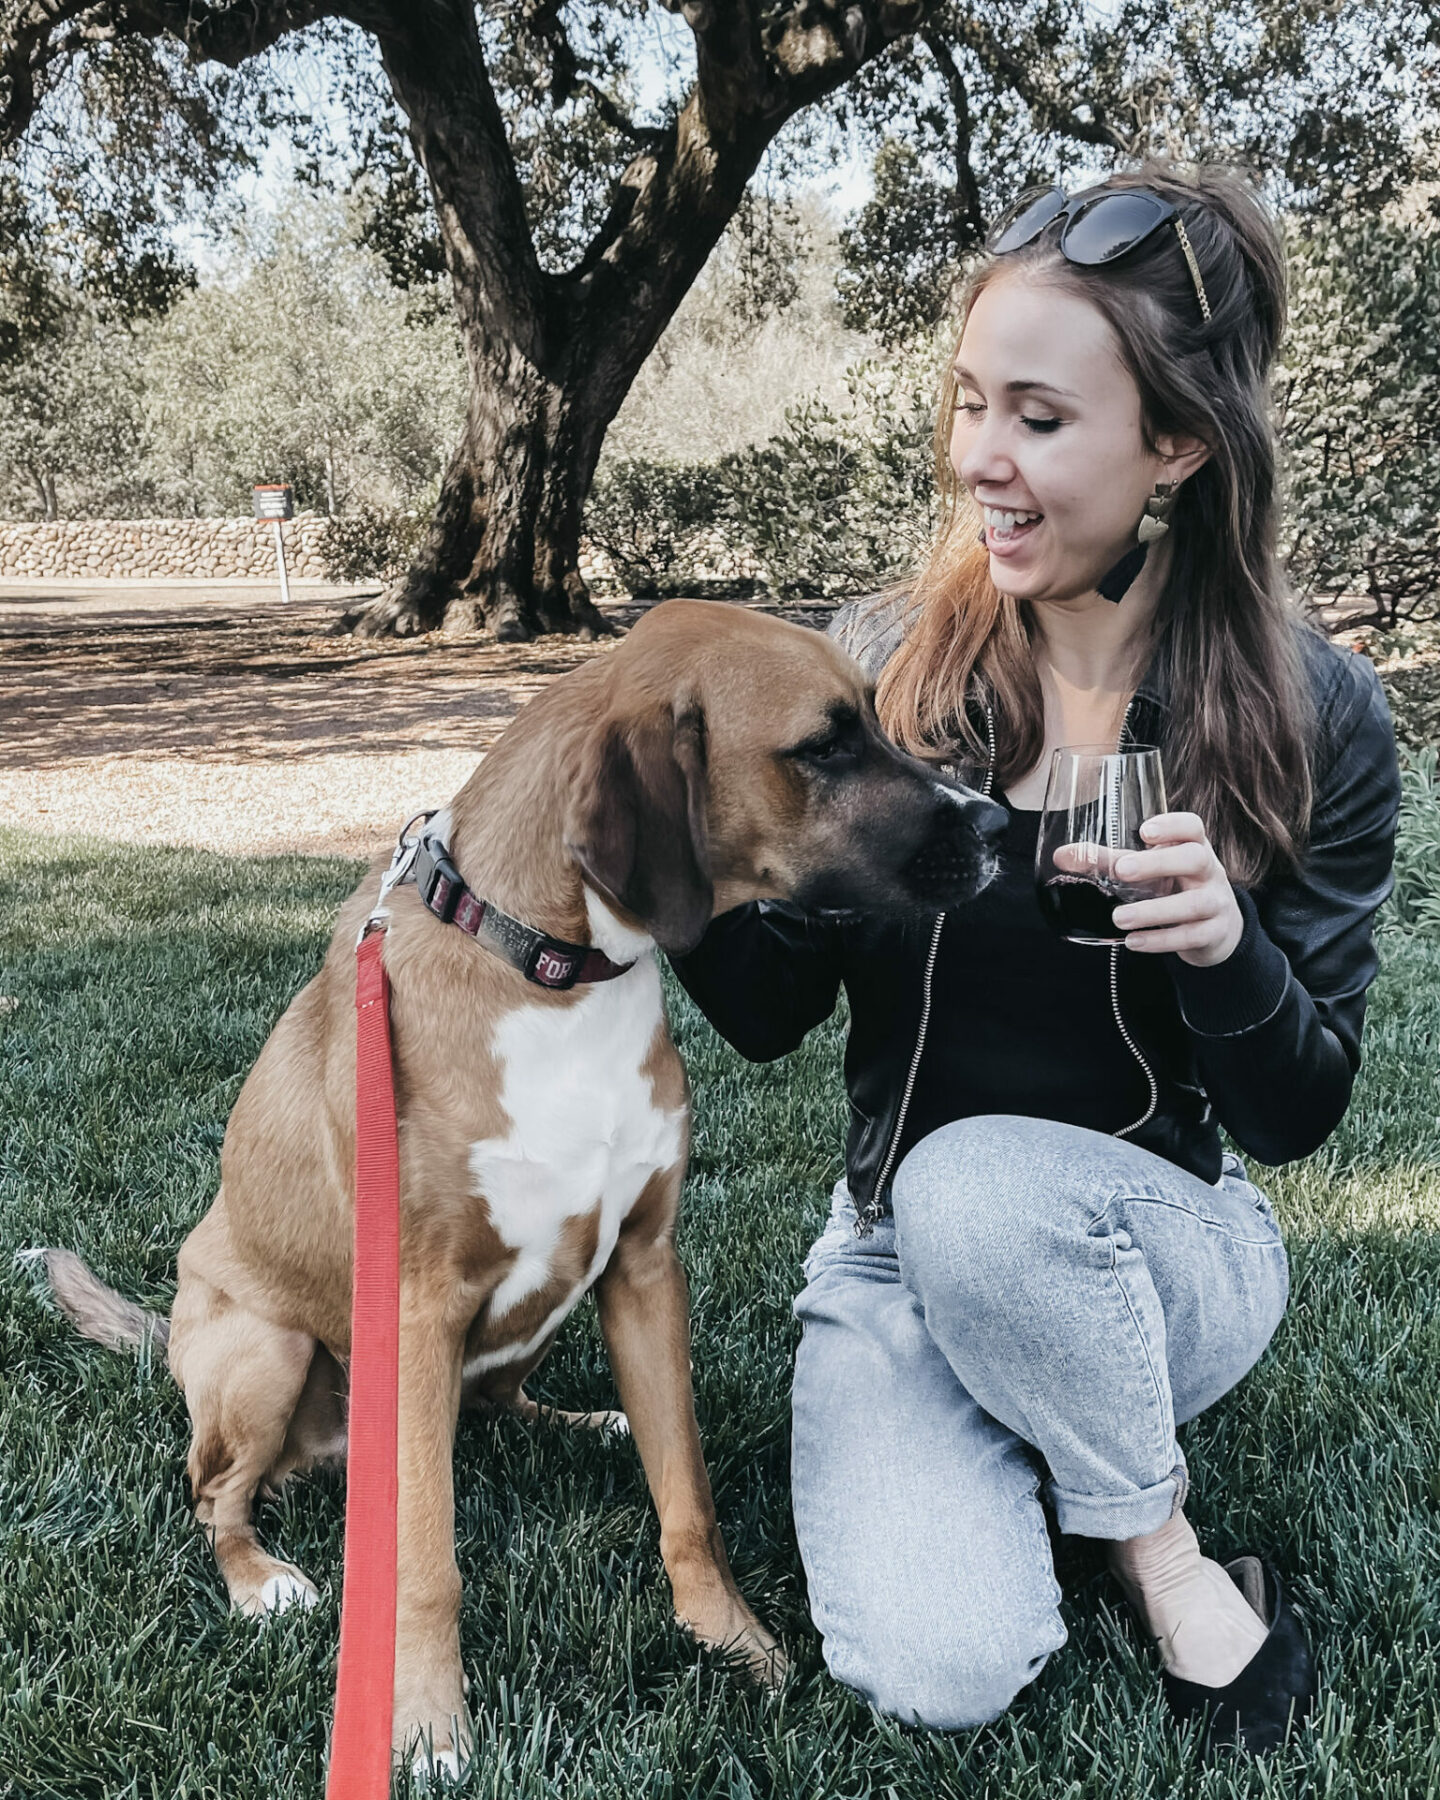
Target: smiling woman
(1041,1259)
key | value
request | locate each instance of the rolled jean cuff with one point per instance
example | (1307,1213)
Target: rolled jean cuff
(1120,1515)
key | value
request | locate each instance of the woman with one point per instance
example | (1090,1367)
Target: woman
(1039,1262)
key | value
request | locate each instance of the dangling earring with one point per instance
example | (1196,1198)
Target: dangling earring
(1156,520)
(981,538)
(1154,523)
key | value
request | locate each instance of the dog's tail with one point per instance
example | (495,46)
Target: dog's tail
(97,1311)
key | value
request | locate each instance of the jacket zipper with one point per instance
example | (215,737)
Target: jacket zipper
(865,1221)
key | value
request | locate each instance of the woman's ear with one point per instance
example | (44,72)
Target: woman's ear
(1181,455)
(637,826)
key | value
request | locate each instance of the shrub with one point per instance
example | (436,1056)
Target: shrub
(372,543)
(663,526)
(1358,390)
(843,499)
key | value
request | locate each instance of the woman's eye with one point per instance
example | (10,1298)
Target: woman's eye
(1042,427)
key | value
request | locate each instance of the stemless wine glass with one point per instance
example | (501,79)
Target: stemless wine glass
(1095,802)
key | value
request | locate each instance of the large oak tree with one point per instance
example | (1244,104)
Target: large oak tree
(551,353)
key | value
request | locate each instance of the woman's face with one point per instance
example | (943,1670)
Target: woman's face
(1047,423)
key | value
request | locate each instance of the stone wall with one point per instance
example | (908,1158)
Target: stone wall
(145,549)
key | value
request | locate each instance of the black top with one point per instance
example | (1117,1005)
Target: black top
(1265,1043)
(1005,983)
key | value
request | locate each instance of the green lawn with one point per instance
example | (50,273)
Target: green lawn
(146,982)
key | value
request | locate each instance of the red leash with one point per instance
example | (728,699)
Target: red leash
(365,1686)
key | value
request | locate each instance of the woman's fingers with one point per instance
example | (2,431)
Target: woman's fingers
(1184,908)
(1174,828)
(1190,862)
(1179,938)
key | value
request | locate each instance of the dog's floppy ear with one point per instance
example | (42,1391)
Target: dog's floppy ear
(637,828)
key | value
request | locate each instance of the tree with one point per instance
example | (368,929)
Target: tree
(297,358)
(570,227)
(551,352)
(1358,394)
(70,405)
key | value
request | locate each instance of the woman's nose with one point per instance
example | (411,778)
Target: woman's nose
(983,459)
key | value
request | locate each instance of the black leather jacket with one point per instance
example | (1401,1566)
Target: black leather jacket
(1266,1044)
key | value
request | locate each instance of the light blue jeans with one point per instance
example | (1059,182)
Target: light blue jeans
(1047,1302)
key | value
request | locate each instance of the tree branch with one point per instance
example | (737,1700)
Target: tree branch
(28,53)
(749,71)
(969,218)
(1047,109)
(35,43)
(674,201)
(435,61)
(213,31)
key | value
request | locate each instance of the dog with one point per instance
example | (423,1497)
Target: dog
(713,757)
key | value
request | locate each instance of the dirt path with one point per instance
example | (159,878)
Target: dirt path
(217,717)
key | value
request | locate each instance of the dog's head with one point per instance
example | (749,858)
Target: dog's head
(739,758)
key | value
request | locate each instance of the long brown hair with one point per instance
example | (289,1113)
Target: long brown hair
(1226,634)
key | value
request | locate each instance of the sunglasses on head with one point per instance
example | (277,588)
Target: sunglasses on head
(1100,224)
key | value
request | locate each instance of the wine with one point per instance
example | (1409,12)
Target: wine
(1080,910)
(1095,802)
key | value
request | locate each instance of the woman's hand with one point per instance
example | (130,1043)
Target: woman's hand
(1199,920)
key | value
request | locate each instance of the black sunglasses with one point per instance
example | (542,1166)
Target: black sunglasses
(1100,224)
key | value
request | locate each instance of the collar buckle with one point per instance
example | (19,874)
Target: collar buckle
(438,882)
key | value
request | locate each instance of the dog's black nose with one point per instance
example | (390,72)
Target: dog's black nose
(988,821)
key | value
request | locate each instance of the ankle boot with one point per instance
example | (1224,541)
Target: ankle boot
(1276,1688)
(1172,1588)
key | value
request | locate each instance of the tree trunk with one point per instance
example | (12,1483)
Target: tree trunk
(552,356)
(503,550)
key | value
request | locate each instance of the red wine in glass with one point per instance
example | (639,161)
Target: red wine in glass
(1095,802)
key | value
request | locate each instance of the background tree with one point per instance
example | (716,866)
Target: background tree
(570,223)
(298,357)
(70,405)
(1359,396)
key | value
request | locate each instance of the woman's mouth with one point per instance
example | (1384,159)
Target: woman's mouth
(1005,530)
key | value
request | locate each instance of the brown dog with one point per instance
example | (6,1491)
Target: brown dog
(713,757)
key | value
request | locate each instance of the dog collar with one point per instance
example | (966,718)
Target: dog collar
(549,962)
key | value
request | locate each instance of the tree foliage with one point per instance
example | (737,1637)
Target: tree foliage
(1358,396)
(1337,106)
(300,363)
(294,359)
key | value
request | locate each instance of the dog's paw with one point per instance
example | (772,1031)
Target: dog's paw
(280,1593)
(446,1767)
(732,1631)
(443,1769)
(615,1425)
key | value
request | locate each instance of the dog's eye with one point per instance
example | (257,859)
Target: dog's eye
(840,748)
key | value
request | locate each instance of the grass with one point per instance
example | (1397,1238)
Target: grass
(145,983)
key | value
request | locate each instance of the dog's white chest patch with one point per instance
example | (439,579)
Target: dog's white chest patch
(585,1133)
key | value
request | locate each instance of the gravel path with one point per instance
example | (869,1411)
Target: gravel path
(215,716)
